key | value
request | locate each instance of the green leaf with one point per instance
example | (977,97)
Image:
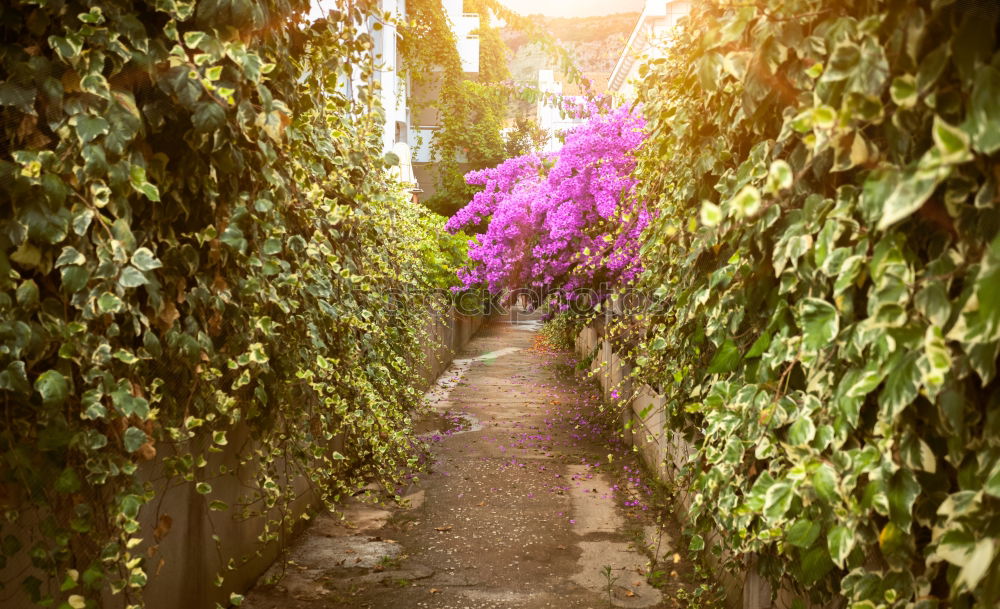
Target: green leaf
(937,356)
(92,407)
(983,359)
(15,378)
(746,202)
(759,346)
(82,220)
(802,431)
(932,301)
(814,564)
(109,303)
(133,439)
(824,117)
(820,323)
(803,533)
(144,260)
(67,48)
(992,485)
(70,255)
(984,115)
(132,277)
(233,237)
(67,482)
(780,177)
(697,543)
(10,545)
(52,386)
(847,274)
(840,542)
(73,278)
(987,291)
(778,500)
(711,214)
(977,564)
(952,142)
(726,358)
(903,491)
(96,84)
(914,187)
(203,488)
(901,385)
(193,39)
(843,61)
(824,481)
(128,404)
(89,128)
(859,383)
(27,294)
(208,116)
(137,177)
(18,97)
(904,91)
(972,555)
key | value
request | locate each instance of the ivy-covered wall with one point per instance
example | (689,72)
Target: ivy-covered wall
(195,236)
(469,110)
(827,253)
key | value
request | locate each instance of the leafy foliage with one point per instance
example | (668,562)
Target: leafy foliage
(525,136)
(471,112)
(196,236)
(826,242)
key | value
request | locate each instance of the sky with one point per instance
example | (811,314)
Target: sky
(574,8)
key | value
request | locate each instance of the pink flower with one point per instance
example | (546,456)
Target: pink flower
(563,221)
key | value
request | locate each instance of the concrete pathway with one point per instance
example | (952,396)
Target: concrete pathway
(518,510)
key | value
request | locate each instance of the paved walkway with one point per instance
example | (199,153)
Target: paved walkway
(518,510)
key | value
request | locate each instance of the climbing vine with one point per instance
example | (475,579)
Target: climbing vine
(471,113)
(198,252)
(826,245)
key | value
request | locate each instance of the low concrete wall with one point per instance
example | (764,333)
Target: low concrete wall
(183,564)
(449,334)
(663,450)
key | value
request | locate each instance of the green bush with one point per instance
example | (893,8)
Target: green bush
(195,233)
(826,180)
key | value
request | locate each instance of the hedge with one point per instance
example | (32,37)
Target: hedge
(196,232)
(825,175)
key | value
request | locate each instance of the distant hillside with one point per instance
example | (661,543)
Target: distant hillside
(576,29)
(594,42)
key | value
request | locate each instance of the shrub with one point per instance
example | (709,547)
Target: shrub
(561,221)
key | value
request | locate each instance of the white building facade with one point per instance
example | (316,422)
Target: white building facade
(425,123)
(464,26)
(649,39)
(549,113)
(393,85)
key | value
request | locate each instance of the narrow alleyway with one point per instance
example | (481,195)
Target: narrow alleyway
(517,510)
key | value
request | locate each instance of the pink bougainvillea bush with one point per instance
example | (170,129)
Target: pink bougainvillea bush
(563,221)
